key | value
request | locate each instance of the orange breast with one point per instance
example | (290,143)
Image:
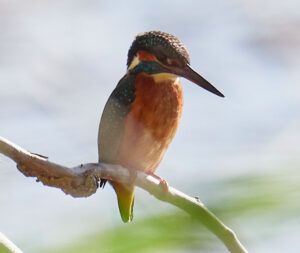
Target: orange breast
(151,124)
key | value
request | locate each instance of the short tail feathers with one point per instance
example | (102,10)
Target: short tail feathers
(125,195)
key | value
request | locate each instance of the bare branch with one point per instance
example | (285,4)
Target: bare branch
(82,181)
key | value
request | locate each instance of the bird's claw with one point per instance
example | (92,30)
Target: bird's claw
(102,183)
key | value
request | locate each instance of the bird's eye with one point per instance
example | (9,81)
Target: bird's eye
(172,62)
(168,61)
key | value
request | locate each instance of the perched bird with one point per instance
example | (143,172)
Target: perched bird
(142,114)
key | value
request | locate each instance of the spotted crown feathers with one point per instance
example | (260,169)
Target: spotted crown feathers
(162,45)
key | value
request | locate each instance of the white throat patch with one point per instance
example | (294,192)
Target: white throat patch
(162,77)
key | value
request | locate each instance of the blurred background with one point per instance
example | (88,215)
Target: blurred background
(60,60)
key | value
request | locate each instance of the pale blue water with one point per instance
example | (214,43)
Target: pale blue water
(61,59)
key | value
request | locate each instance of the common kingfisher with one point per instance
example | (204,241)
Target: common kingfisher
(142,114)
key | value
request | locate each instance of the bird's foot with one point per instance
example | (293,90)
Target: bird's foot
(162,182)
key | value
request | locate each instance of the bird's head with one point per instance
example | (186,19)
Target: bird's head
(158,52)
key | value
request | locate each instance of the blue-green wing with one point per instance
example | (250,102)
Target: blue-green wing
(113,119)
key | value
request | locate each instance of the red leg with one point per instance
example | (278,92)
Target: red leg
(162,182)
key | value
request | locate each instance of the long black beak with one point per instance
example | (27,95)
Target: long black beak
(188,73)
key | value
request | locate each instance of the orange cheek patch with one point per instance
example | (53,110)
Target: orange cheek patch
(145,56)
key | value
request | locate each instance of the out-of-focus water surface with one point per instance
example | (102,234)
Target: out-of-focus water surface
(59,61)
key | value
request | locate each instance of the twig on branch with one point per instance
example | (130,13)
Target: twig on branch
(82,181)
